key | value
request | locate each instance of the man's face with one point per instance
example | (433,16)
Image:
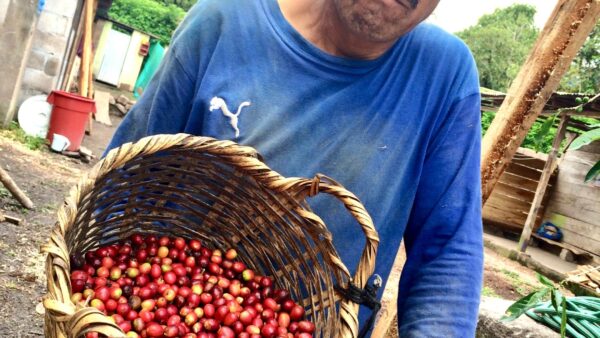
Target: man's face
(383,20)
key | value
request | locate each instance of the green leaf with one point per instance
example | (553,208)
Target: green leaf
(543,132)
(522,305)
(563,321)
(544,280)
(585,138)
(556,298)
(595,171)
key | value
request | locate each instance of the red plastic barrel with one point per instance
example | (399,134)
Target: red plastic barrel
(70,113)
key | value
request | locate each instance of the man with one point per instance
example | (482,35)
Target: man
(358,90)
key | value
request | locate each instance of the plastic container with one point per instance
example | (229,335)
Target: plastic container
(70,112)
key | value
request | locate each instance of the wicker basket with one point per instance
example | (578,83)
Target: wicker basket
(222,193)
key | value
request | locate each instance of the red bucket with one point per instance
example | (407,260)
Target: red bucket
(70,113)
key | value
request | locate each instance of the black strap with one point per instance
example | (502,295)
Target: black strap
(366,297)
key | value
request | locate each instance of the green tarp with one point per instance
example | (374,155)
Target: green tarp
(155,56)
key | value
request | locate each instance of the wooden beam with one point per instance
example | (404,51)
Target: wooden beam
(549,168)
(87,48)
(14,189)
(389,298)
(564,33)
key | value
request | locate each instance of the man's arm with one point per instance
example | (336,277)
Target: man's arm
(441,281)
(163,108)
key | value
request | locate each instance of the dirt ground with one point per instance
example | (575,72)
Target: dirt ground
(46,177)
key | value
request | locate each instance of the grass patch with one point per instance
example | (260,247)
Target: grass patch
(520,286)
(489,292)
(14,132)
(4,192)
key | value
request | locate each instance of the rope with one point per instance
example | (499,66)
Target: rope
(583,316)
(366,297)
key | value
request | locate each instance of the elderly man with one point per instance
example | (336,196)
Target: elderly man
(361,91)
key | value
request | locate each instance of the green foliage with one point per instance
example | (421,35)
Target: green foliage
(531,300)
(583,75)
(534,139)
(521,306)
(148,16)
(584,139)
(593,173)
(183,4)
(538,138)
(500,43)
(14,132)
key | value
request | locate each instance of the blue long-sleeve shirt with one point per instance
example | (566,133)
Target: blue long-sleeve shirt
(402,132)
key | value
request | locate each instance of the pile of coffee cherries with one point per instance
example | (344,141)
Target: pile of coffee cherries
(172,287)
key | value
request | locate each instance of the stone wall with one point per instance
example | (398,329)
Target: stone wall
(48,49)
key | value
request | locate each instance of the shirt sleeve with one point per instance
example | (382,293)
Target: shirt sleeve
(164,107)
(441,280)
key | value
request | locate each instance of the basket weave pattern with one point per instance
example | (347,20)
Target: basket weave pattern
(223,194)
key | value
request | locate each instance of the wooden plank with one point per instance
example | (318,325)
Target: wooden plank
(389,305)
(527,161)
(582,242)
(514,191)
(575,250)
(565,31)
(502,216)
(507,203)
(594,275)
(582,228)
(578,208)
(531,153)
(576,173)
(520,181)
(524,171)
(102,107)
(536,205)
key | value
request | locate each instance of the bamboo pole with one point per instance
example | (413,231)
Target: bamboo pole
(87,48)
(540,191)
(565,32)
(14,189)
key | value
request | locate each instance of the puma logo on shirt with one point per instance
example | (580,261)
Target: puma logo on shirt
(219,103)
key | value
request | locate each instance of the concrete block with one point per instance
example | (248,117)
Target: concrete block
(52,66)
(53,23)
(490,326)
(38,80)
(37,60)
(567,255)
(49,43)
(122,99)
(121,108)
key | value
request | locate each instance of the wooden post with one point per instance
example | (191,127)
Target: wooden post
(558,43)
(14,189)
(87,48)
(540,191)
(87,57)
(91,92)
(389,299)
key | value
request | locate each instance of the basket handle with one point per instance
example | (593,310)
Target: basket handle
(366,266)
